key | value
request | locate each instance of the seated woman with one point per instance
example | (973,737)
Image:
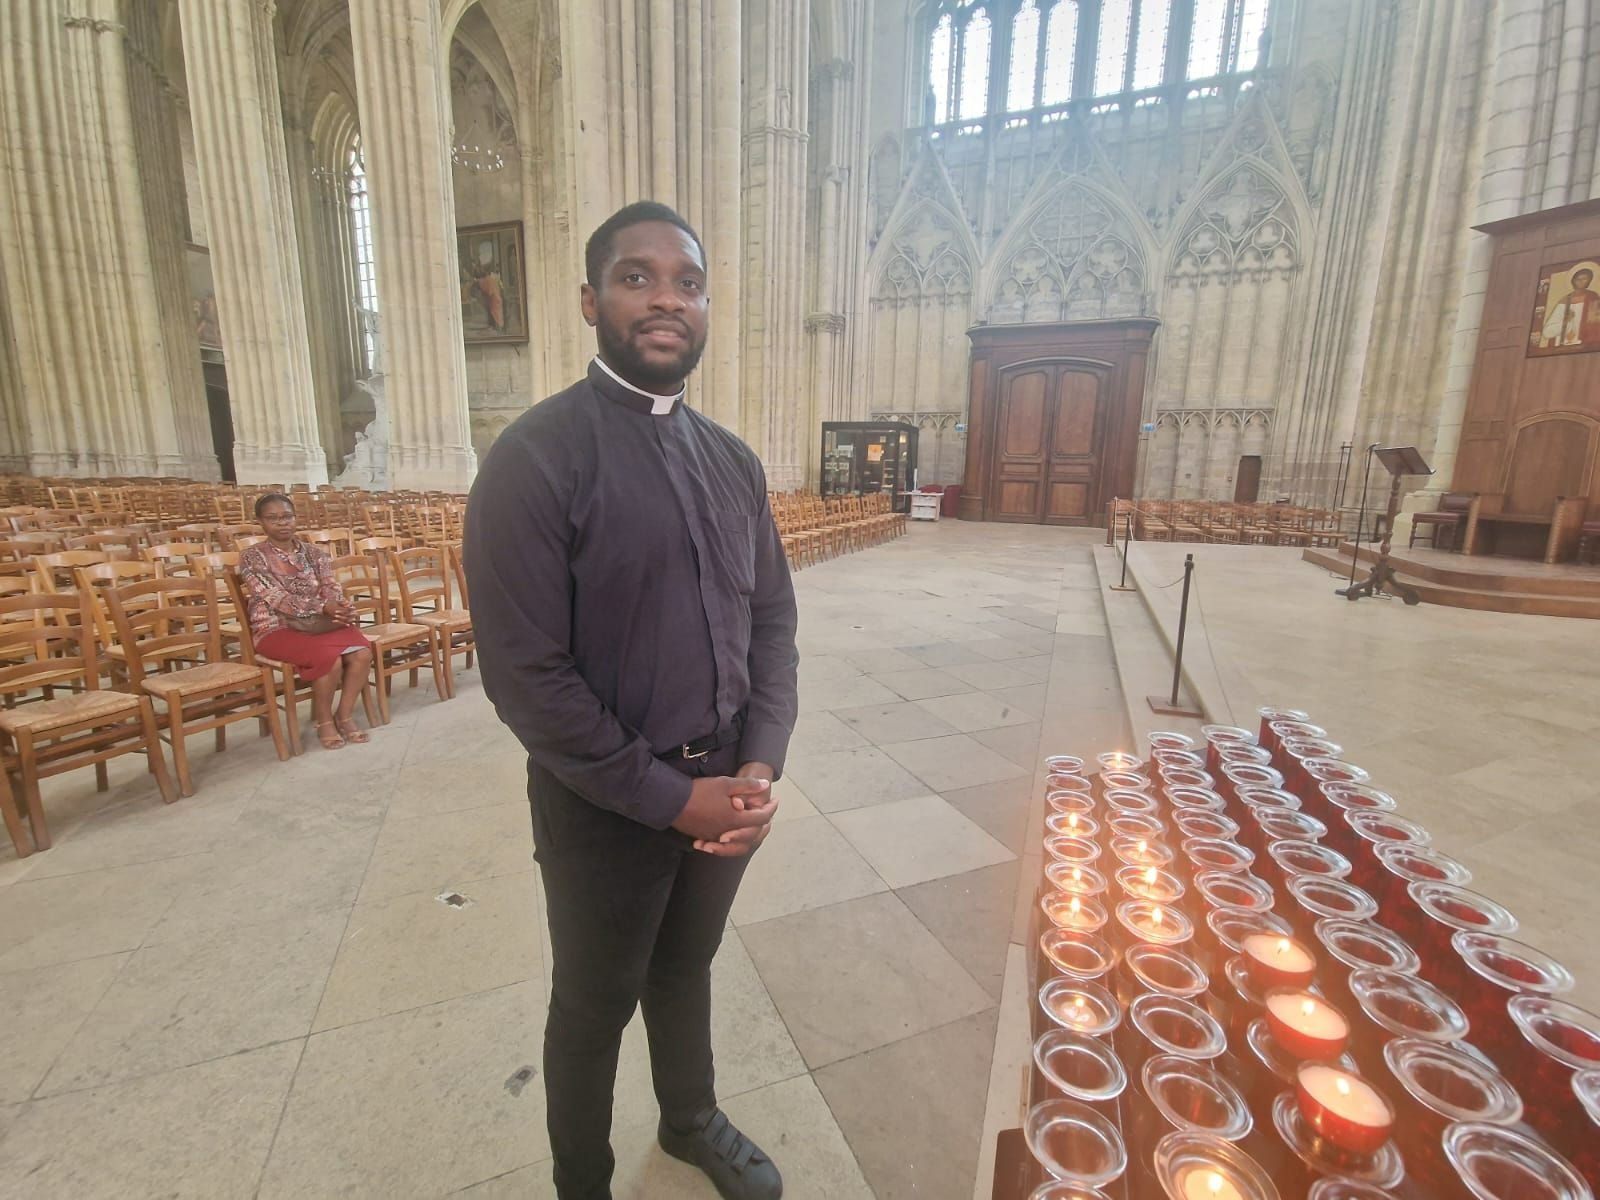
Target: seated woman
(298,614)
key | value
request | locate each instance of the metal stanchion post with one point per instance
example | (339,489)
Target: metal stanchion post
(1170,705)
(1127,539)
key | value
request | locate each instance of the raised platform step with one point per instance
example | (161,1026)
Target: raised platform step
(1487,573)
(1521,592)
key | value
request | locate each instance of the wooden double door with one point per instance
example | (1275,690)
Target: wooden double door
(1049,444)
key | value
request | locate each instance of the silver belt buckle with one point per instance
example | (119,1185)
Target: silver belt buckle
(692,755)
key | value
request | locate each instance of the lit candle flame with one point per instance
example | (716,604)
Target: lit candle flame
(1149,874)
(1155,915)
(1283,945)
(1075,906)
(1214,1184)
(1077,874)
(1143,845)
(1307,1007)
(1343,1085)
(1072,822)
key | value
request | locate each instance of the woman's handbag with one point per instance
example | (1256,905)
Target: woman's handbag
(319,623)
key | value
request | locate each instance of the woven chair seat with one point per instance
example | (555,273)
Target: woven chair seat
(44,715)
(206,678)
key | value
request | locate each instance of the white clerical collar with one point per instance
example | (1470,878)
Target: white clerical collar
(660,406)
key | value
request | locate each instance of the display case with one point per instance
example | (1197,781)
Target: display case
(864,458)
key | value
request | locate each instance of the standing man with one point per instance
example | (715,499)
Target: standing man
(636,624)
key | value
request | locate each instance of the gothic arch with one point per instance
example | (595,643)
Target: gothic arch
(927,250)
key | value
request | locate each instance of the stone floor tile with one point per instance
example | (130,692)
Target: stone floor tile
(200,1133)
(427,1091)
(820,732)
(1019,743)
(793,803)
(44,1009)
(143,829)
(911,841)
(922,683)
(185,1002)
(999,809)
(1000,649)
(858,975)
(844,693)
(971,916)
(802,864)
(413,950)
(974,711)
(532,1182)
(990,675)
(881,662)
(71,917)
(953,762)
(944,654)
(431,854)
(921,1149)
(427,789)
(1028,698)
(284,808)
(852,779)
(901,721)
(792,1122)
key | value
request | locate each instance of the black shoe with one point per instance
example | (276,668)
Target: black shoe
(735,1163)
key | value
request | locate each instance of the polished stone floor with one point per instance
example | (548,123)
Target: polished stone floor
(262,990)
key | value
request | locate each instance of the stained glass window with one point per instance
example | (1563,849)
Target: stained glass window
(1020,89)
(975,38)
(1111,53)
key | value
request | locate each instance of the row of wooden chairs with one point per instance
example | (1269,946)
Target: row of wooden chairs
(814,529)
(1223,522)
(128,657)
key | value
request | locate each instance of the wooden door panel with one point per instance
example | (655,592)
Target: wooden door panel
(1077,415)
(1018,500)
(1075,448)
(1022,433)
(1069,501)
(1023,445)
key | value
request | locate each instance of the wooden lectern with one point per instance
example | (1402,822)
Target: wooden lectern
(1399,461)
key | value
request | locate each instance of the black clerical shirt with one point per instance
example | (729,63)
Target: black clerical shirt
(629,593)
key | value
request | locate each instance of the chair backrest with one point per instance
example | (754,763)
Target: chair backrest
(378,545)
(458,572)
(245,540)
(365,587)
(1456,502)
(55,570)
(46,639)
(210,566)
(420,581)
(158,618)
(334,541)
(173,558)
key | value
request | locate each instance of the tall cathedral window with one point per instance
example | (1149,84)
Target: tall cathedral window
(361,245)
(1040,44)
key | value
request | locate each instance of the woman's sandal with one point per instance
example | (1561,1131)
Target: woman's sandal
(335,742)
(353,732)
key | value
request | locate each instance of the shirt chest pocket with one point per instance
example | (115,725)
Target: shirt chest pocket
(732,545)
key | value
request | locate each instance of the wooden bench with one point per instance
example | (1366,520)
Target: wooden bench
(1551,537)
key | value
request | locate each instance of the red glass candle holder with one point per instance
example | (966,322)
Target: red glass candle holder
(1401,1006)
(1365,945)
(1189,759)
(1559,1040)
(1234,889)
(1166,970)
(1072,824)
(1078,955)
(1441,911)
(1272,715)
(1586,1150)
(1277,960)
(1150,883)
(1255,800)
(1331,1187)
(1284,732)
(1374,829)
(1231,926)
(1074,851)
(1439,1086)
(1061,1189)
(1158,924)
(1189,799)
(1203,823)
(1187,777)
(1285,825)
(1356,1116)
(1141,851)
(1078,914)
(1328,771)
(1286,859)
(1496,1163)
(1163,739)
(1136,825)
(1080,1005)
(1404,865)
(1188,1164)
(1236,775)
(1126,800)
(1214,854)
(1383,1167)
(1316,897)
(1075,1143)
(1080,1067)
(1493,969)
(1296,752)
(1075,879)
(1306,1026)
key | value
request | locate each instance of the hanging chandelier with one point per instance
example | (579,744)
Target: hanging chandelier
(477,158)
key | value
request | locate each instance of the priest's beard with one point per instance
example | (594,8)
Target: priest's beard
(662,377)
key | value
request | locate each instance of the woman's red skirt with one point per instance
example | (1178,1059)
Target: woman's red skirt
(313,654)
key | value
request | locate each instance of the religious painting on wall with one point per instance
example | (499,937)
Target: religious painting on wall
(1566,312)
(494,284)
(203,297)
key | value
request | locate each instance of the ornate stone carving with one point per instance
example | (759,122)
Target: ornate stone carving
(1243,225)
(1077,258)
(928,261)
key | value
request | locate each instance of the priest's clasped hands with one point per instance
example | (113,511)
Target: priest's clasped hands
(728,816)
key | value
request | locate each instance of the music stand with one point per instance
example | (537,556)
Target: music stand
(1399,461)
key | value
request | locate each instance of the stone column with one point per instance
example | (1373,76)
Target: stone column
(777,97)
(403,90)
(100,369)
(653,111)
(243,163)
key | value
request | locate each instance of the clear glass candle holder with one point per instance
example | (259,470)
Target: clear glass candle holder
(1157,924)
(1355,946)
(1585,1148)
(1136,825)
(1163,739)
(1204,823)
(1271,715)
(1317,897)
(1332,1187)
(1234,889)
(1288,857)
(1324,771)
(1070,783)
(1383,1168)
(1237,752)
(1080,1005)
(1120,760)
(1166,970)
(1150,883)
(1194,1098)
(1297,751)
(1496,1163)
(1284,825)
(1559,1040)
(1064,764)
(1439,1086)
(1403,864)
(1077,955)
(1376,829)
(1141,851)
(1230,926)
(1061,1189)
(1192,799)
(1441,910)
(1127,800)
(1072,824)
(1186,777)
(1274,1068)
(1401,1006)
(1173,1025)
(1079,914)
(1236,775)
(1214,854)
(1075,851)
(1187,1163)
(1080,1067)
(1218,736)
(1187,759)
(1075,1143)
(1075,879)
(1493,969)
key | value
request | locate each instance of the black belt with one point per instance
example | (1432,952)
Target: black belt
(701,747)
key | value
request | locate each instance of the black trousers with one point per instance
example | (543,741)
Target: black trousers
(636,916)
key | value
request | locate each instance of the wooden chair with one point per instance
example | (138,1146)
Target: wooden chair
(173,558)
(56,570)
(230,507)
(399,647)
(160,619)
(123,544)
(245,540)
(1445,524)
(49,640)
(335,542)
(291,688)
(420,580)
